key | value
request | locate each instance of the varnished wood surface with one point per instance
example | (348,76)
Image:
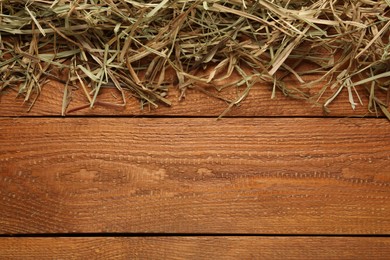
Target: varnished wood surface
(196,248)
(265,177)
(257,103)
(193,175)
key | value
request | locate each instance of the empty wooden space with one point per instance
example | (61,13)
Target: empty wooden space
(254,176)
(304,185)
(197,248)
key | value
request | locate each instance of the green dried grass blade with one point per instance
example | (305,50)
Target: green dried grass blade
(385,111)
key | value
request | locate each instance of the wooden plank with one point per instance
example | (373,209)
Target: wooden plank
(258,103)
(262,176)
(197,248)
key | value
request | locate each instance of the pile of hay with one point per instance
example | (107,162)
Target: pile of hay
(132,45)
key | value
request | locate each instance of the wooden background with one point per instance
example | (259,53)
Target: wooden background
(274,179)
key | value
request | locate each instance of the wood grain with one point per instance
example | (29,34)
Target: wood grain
(258,176)
(196,248)
(258,103)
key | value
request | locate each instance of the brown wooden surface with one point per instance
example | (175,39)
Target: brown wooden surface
(270,176)
(258,103)
(255,176)
(196,248)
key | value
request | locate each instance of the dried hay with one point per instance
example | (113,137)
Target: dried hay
(132,45)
